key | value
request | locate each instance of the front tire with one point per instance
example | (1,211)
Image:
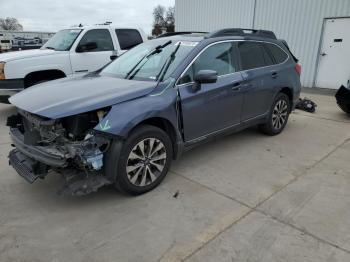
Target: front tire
(278,116)
(143,162)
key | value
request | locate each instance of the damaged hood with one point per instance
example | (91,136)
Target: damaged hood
(71,96)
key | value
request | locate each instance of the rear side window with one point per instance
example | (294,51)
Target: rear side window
(253,55)
(101,37)
(278,54)
(128,38)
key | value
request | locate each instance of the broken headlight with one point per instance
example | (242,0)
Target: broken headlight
(78,126)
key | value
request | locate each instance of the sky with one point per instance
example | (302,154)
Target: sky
(46,15)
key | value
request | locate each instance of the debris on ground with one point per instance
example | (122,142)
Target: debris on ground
(306,105)
(343,99)
(176,194)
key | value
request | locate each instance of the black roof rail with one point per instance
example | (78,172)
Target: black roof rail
(179,33)
(242,32)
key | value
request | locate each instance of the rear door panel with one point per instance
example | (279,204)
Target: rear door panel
(259,77)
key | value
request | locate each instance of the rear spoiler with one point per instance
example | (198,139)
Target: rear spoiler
(296,60)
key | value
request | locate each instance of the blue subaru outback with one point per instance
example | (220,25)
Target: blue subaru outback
(125,123)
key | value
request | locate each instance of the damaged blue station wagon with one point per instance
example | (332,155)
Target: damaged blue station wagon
(126,122)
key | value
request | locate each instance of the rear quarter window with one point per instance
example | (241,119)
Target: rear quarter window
(253,55)
(128,38)
(277,53)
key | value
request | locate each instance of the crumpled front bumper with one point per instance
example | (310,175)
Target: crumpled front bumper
(46,156)
(32,162)
(26,167)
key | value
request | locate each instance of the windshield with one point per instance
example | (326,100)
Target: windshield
(129,66)
(62,40)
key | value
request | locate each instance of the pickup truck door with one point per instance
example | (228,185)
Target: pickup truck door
(87,59)
(216,106)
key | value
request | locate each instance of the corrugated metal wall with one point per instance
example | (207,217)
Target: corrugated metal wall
(206,15)
(297,21)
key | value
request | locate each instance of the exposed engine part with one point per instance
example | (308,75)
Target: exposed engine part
(94,160)
(35,120)
(78,125)
(14,121)
(100,115)
(72,138)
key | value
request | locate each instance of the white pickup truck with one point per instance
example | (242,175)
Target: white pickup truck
(70,51)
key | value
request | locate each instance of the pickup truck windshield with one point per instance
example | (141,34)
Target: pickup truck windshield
(62,40)
(138,65)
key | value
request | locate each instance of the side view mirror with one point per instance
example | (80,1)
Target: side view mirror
(114,55)
(86,47)
(204,77)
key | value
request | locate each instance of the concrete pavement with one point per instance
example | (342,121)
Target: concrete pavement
(244,197)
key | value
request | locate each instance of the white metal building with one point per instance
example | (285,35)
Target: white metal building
(317,31)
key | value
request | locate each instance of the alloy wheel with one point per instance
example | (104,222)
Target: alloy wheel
(146,162)
(280,114)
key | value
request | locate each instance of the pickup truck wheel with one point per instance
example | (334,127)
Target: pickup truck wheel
(278,116)
(144,160)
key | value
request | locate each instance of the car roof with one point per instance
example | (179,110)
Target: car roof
(102,26)
(201,37)
(224,34)
(185,37)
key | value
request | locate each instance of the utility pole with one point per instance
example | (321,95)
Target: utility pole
(254,12)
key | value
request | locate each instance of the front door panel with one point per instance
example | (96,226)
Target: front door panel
(212,108)
(92,60)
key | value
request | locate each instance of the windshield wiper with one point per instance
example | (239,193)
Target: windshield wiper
(156,50)
(50,47)
(167,64)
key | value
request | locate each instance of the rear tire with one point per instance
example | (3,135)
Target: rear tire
(278,116)
(143,162)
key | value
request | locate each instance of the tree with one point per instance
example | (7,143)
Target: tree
(170,19)
(164,20)
(158,20)
(10,23)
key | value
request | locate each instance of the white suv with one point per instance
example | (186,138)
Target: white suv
(77,50)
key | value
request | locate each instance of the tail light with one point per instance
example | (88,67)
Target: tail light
(298,69)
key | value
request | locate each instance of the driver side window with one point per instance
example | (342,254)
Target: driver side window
(218,57)
(101,37)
